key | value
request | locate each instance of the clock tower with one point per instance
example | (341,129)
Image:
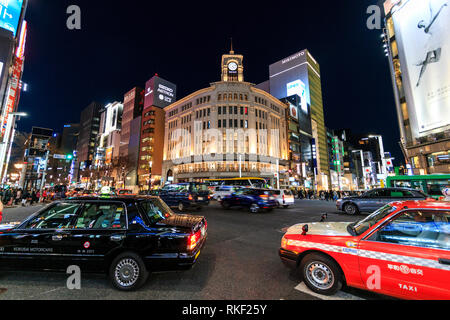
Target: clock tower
(232,67)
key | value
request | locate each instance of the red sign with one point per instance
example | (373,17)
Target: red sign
(14,92)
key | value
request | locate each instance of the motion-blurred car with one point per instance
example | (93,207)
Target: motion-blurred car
(255,200)
(184,196)
(125,192)
(285,198)
(223,191)
(401,250)
(377,198)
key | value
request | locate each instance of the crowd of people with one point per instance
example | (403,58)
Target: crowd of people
(15,197)
(324,195)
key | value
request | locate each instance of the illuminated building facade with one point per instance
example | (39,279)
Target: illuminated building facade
(231,129)
(417,42)
(159,94)
(299,74)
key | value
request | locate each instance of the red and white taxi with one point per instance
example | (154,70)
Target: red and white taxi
(401,250)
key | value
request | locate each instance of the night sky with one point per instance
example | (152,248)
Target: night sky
(122,44)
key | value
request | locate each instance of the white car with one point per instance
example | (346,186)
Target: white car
(223,191)
(285,198)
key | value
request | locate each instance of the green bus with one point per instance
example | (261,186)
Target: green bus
(432,185)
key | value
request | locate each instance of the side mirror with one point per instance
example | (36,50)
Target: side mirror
(305,230)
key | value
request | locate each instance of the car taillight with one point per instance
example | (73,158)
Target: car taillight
(193,240)
(264,196)
(190,198)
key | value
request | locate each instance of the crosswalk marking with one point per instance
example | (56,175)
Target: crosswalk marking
(338,296)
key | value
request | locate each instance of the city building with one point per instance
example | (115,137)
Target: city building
(129,138)
(365,163)
(299,74)
(231,129)
(13,35)
(69,138)
(159,94)
(108,142)
(36,159)
(87,139)
(417,43)
(301,171)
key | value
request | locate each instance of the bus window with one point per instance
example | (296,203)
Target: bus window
(435,187)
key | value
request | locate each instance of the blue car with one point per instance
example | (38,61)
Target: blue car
(255,200)
(184,196)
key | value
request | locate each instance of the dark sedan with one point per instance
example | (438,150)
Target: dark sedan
(126,237)
(376,199)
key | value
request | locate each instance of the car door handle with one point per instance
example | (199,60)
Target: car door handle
(57,237)
(117,238)
(444,261)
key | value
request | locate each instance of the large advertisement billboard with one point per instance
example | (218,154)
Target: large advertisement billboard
(10,11)
(159,93)
(289,77)
(422,29)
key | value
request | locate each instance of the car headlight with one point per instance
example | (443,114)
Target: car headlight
(284,243)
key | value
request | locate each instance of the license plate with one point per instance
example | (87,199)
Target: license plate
(200,198)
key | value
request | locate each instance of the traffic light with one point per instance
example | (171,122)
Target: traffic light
(69,157)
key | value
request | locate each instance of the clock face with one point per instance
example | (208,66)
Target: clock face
(233,66)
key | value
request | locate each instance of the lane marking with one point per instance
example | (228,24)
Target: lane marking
(338,296)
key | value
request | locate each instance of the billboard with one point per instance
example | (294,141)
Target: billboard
(159,93)
(297,87)
(422,31)
(290,76)
(10,11)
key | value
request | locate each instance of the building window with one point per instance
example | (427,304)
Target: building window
(219,110)
(219,98)
(231,123)
(235,110)
(219,123)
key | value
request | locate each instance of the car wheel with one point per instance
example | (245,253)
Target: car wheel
(321,274)
(254,208)
(226,205)
(128,272)
(351,209)
(181,207)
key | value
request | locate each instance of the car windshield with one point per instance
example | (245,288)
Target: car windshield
(359,228)
(199,187)
(156,210)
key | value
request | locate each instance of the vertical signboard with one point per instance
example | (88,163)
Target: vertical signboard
(422,31)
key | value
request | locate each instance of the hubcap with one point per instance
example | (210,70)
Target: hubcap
(180,207)
(350,209)
(127,272)
(320,275)
(254,208)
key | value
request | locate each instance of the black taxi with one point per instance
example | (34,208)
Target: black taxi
(126,237)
